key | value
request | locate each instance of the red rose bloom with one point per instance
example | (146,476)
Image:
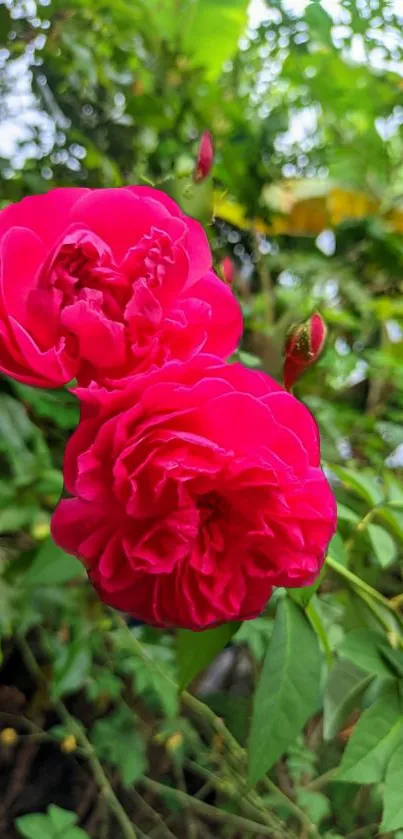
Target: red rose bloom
(98,284)
(196,489)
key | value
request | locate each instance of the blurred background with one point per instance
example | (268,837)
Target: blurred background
(305,104)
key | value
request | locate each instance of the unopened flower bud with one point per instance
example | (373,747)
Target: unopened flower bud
(227,269)
(8,737)
(174,742)
(303,346)
(69,744)
(205,158)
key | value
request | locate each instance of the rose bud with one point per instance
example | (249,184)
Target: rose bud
(227,269)
(303,346)
(205,157)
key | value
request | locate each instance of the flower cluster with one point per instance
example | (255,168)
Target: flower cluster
(195,484)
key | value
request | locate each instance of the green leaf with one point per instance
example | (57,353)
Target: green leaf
(345,685)
(72,668)
(394,658)
(383,545)
(373,741)
(302,596)
(393,793)
(249,360)
(255,634)
(337,550)
(315,804)
(363,647)
(288,689)
(34,826)
(212,31)
(58,405)
(195,650)
(346,514)
(117,740)
(53,566)
(15,518)
(364,485)
(60,818)
(75,833)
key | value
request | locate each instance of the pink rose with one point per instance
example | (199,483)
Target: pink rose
(196,489)
(98,284)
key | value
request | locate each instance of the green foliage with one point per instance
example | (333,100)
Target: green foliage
(51,566)
(57,824)
(196,650)
(288,690)
(117,740)
(374,740)
(309,143)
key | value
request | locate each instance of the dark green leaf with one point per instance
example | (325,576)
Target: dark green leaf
(345,685)
(363,647)
(374,739)
(288,689)
(72,668)
(302,596)
(393,793)
(195,650)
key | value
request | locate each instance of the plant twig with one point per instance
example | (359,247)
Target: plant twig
(237,756)
(207,810)
(360,586)
(103,783)
(299,814)
(160,824)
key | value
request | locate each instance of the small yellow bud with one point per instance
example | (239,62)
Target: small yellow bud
(69,744)
(174,742)
(8,736)
(40,530)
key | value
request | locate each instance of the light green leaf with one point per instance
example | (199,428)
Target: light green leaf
(34,826)
(53,566)
(345,685)
(288,690)
(337,550)
(364,485)
(346,514)
(195,650)
(315,804)
(212,31)
(363,647)
(373,741)
(393,793)
(75,833)
(60,818)
(383,545)
(15,518)
(249,360)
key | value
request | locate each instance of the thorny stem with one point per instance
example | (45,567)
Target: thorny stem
(104,785)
